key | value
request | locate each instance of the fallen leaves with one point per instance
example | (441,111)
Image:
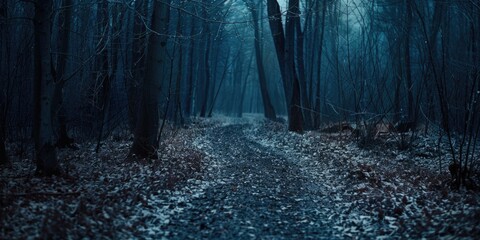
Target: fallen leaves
(240,178)
(103,195)
(391,189)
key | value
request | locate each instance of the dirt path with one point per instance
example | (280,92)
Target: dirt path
(258,192)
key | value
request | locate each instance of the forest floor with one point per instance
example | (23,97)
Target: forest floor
(241,179)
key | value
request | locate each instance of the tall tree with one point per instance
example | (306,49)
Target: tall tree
(205,69)
(45,153)
(190,67)
(3,114)
(178,112)
(107,63)
(285,48)
(408,64)
(5,82)
(145,136)
(299,39)
(319,61)
(138,60)
(60,74)
(268,108)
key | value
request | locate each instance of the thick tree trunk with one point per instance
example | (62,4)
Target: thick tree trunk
(134,83)
(295,122)
(5,82)
(145,140)
(276,27)
(285,48)
(45,153)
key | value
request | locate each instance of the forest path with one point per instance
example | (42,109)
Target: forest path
(230,178)
(257,191)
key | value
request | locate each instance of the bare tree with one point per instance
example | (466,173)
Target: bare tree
(45,153)
(145,141)
(317,102)
(60,75)
(285,48)
(269,110)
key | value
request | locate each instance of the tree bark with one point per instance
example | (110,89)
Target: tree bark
(145,140)
(5,83)
(285,48)
(45,153)
(300,63)
(276,27)
(296,119)
(138,62)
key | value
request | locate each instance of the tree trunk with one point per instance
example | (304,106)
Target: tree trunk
(146,130)
(178,96)
(295,122)
(60,77)
(107,67)
(138,62)
(243,78)
(3,150)
(206,72)
(429,83)
(268,108)
(190,67)
(276,27)
(285,48)
(300,63)
(242,99)
(45,153)
(319,72)
(408,66)
(236,87)
(398,84)
(5,82)
(212,77)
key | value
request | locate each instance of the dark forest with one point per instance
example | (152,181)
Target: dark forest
(239,119)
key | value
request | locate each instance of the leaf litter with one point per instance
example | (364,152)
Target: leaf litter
(240,178)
